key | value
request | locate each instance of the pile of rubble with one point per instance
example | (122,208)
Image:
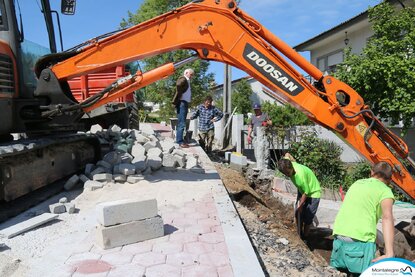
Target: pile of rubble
(132,155)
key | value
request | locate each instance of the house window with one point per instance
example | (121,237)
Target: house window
(329,62)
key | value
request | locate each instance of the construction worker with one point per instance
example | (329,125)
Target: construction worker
(261,150)
(308,197)
(354,229)
(208,114)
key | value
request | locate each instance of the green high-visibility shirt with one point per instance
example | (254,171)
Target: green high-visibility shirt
(361,210)
(305,180)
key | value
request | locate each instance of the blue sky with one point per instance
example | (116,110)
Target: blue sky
(292,21)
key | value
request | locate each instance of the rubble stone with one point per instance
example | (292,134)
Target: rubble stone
(138,151)
(104,164)
(191,161)
(96,128)
(63,200)
(83,178)
(89,168)
(57,208)
(98,170)
(71,183)
(112,157)
(169,161)
(140,164)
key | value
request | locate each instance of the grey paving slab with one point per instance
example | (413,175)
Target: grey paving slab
(29,224)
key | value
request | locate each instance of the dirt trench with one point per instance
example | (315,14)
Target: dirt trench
(271,228)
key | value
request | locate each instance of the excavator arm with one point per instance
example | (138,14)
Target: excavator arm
(220,31)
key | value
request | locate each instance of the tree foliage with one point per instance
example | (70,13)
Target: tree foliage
(162,91)
(241,97)
(384,73)
(323,157)
(285,116)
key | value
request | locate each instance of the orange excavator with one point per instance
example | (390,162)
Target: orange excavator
(218,30)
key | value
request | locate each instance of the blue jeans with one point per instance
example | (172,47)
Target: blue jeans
(181,110)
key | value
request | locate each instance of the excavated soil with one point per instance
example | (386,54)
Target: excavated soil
(270,225)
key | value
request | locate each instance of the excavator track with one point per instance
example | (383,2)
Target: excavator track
(28,165)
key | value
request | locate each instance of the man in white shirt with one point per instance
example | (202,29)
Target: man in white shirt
(181,100)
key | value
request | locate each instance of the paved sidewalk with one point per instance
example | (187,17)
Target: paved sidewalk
(203,233)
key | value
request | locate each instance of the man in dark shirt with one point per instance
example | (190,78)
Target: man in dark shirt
(207,115)
(257,120)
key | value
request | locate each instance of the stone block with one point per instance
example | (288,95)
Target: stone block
(70,208)
(150,144)
(138,151)
(126,158)
(239,159)
(167,146)
(131,232)
(140,164)
(93,185)
(121,178)
(127,169)
(132,179)
(83,178)
(63,200)
(154,163)
(126,210)
(104,164)
(103,177)
(154,152)
(57,208)
(141,138)
(71,183)
(191,162)
(169,161)
(112,157)
(89,168)
(96,171)
(95,129)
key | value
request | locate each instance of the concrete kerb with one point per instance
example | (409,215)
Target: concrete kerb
(241,252)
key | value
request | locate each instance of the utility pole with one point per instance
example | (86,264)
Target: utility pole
(227,105)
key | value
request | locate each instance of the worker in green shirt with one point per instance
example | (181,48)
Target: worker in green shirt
(354,229)
(308,197)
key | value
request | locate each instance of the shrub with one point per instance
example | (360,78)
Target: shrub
(360,170)
(323,157)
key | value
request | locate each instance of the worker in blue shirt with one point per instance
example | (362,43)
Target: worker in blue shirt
(207,114)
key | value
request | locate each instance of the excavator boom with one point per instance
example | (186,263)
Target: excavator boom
(220,31)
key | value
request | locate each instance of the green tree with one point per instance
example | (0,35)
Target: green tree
(241,97)
(285,116)
(162,91)
(384,73)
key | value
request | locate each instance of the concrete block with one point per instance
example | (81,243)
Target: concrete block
(98,170)
(198,170)
(154,152)
(127,169)
(70,208)
(154,163)
(181,160)
(103,177)
(284,185)
(191,162)
(131,232)
(24,226)
(132,179)
(95,129)
(71,183)
(126,158)
(123,211)
(104,164)
(167,146)
(112,157)
(57,208)
(150,144)
(115,128)
(169,161)
(138,151)
(140,164)
(120,178)
(141,138)
(63,200)
(239,159)
(179,152)
(93,185)
(89,168)
(148,171)
(83,178)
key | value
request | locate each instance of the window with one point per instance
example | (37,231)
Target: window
(329,62)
